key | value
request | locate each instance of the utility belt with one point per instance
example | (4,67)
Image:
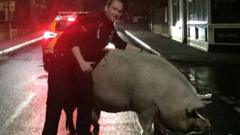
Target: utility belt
(58,54)
(65,59)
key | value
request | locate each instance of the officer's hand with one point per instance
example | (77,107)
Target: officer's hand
(86,66)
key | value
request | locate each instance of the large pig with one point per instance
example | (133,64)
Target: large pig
(150,86)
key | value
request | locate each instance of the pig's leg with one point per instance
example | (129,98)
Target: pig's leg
(157,128)
(95,118)
(157,124)
(145,120)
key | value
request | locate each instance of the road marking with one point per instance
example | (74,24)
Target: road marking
(18,46)
(17,113)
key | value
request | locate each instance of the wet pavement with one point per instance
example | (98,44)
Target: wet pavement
(209,72)
(223,83)
(214,73)
(223,112)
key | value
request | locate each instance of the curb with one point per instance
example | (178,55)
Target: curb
(209,59)
(19,46)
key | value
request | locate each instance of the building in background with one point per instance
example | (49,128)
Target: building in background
(204,24)
(7,16)
(20,16)
(213,23)
(160,23)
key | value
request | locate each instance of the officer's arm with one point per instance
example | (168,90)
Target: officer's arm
(118,42)
(84,65)
(121,44)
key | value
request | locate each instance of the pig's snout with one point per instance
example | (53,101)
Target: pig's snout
(197,122)
(203,125)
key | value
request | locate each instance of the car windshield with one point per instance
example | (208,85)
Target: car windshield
(62,25)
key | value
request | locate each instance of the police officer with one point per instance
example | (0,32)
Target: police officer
(78,51)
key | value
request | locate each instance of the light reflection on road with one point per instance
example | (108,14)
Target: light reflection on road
(124,123)
(224,83)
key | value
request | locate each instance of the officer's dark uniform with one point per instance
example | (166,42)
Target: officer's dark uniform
(68,85)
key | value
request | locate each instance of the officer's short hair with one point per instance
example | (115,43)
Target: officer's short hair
(109,2)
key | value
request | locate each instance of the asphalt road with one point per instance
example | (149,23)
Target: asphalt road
(23,89)
(23,95)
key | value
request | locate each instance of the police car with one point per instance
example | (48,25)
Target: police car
(54,31)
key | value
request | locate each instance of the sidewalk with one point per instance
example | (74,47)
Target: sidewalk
(178,52)
(10,45)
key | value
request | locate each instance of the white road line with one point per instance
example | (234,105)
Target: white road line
(17,113)
(18,46)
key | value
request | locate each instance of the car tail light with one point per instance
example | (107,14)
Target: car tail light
(71,19)
(49,34)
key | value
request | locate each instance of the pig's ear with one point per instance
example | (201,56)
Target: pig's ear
(206,99)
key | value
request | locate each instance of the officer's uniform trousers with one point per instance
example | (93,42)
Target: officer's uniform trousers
(68,87)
